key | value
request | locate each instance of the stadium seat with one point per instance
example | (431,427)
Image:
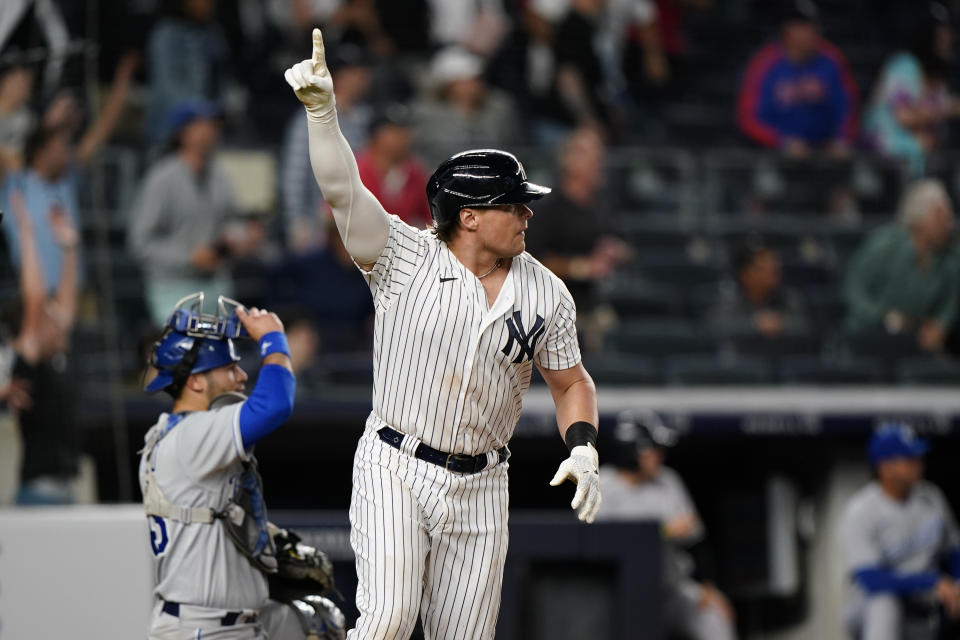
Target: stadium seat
(882,344)
(784,345)
(927,371)
(666,337)
(826,305)
(816,371)
(632,299)
(673,270)
(652,181)
(806,275)
(619,370)
(667,234)
(713,370)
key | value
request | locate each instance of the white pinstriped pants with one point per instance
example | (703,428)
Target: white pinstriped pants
(426,540)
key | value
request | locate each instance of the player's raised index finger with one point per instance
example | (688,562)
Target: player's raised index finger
(319,55)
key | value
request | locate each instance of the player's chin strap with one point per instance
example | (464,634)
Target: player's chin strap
(244,516)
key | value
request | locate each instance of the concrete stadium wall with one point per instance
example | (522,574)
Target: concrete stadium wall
(74,572)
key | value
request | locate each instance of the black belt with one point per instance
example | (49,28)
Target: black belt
(456,462)
(228,620)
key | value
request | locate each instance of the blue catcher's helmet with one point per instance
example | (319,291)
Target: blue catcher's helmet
(194,342)
(479,178)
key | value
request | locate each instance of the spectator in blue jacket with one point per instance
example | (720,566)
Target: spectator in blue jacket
(798,93)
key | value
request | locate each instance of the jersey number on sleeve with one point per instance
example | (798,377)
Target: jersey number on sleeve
(158,535)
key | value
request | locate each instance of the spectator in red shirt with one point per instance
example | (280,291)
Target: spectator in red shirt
(391,172)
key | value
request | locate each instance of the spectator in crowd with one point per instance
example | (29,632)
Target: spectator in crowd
(339,306)
(391,172)
(187,59)
(29,25)
(580,92)
(578,243)
(461,111)
(475,25)
(911,104)
(639,29)
(180,228)
(655,44)
(640,487)
(355,21)
(758,302)
(798,93)
(901,545)
(905,277)
(50,452)
(522,67)
(407,25)
(303,205)
(16,118)
(51,164)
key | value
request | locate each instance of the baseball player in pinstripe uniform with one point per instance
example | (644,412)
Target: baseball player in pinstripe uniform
(462,316)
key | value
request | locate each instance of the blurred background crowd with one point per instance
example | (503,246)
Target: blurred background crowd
(746,192)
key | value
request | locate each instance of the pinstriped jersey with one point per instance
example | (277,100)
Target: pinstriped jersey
(447,367)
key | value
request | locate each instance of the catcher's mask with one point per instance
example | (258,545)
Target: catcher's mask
(193,342)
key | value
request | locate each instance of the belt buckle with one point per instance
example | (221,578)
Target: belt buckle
(446,465)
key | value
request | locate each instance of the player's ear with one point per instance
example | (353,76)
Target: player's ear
(196,382)
(468,219)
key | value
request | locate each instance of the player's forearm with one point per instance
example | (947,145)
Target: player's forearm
(67,289)
(32,286)
(576,403)
(361,220)
(269,405)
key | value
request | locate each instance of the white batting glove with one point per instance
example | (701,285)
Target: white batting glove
(310,80)
(582,468)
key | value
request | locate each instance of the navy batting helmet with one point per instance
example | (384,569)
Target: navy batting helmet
(194,342)
(479,178)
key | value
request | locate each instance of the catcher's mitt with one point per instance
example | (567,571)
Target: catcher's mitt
(302,570)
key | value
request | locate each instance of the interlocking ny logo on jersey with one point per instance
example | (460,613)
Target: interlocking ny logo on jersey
(527,341)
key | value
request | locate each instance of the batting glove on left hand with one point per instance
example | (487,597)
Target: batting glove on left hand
(582,468)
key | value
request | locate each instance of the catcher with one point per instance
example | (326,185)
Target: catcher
(216,557)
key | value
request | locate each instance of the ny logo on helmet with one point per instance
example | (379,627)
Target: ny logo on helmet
(526,340)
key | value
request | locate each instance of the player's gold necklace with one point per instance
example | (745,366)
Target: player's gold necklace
(496,265)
